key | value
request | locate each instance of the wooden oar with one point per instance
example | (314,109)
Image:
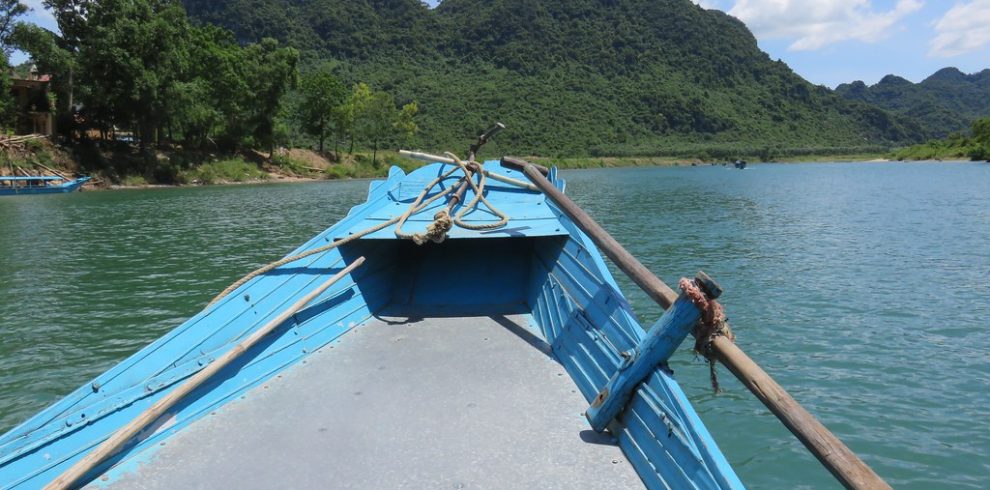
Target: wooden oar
(851,471)
(112,445)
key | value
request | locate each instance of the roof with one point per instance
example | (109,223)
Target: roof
(18,178)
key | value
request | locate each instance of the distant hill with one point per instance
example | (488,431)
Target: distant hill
(945,102)
(571,77)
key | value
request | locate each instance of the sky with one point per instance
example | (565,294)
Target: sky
(829,42)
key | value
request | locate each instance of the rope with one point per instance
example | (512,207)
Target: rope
(414,208)
(436,232)
(479,195)
(713,324)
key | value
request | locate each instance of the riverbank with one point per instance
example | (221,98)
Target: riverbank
(177,168)
(617,162)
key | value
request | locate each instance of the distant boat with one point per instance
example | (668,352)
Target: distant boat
(740,164)
(12,186)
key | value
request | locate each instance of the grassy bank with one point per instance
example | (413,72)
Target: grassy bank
(180,168)
(609,162)
(942,150)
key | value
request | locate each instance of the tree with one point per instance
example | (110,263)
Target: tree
(7,104)
(375,117)
(10,10)
(405,127)
(981,136)
(271,72)
(322,96)
(981,131)
(354,111)
(133,52)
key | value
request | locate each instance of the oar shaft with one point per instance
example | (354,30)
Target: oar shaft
(649,283)
(848,468)
(116,441)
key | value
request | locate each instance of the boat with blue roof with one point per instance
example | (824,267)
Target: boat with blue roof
(11,185)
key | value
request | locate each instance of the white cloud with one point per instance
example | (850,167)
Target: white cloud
(815,24)
(964,28)
(38,14)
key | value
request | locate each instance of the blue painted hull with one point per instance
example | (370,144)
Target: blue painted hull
(70,186)
(539,266)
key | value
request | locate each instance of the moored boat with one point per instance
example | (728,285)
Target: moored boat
(16,185)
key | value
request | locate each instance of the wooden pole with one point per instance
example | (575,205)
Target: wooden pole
(52,170)
(851,471)
(649,283)
(428,157)
(119,438)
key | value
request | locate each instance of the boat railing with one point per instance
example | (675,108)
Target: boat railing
(845,465)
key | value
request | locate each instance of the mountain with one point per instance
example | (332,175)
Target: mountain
(945,102)
(571,77)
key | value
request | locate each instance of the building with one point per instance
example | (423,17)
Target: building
(34,107)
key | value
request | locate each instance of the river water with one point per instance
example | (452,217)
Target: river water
(863,288)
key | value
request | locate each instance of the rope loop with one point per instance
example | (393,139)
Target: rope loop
(436,232)
(713,324)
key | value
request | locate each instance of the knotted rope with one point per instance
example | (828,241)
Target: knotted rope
(435,232)
(712,325)
(415,207)
(479,195)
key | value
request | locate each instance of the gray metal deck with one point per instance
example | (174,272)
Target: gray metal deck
(435,403)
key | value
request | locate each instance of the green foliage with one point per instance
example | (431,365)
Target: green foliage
(138,67)
(134,181)
(322,95)
(946,102)
(568,77)
(956,146)
(981,131)
(271,72)
(291,165)
(7,103)
(10,10)
(223,171)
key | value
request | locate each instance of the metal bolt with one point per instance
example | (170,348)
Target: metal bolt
(708,285)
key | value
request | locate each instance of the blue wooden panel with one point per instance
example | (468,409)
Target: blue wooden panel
(658,429)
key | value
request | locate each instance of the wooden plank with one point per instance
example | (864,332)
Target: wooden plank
(660,343)
(848,468)
(120,438)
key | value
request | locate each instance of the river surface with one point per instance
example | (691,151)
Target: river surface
(863,288)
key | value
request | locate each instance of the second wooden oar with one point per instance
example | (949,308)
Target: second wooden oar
(848,468)
(112,445)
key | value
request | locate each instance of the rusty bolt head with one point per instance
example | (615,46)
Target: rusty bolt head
(708,285)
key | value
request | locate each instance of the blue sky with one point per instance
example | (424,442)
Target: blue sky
(833,41)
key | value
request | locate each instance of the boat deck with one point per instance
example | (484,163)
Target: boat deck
(400,403)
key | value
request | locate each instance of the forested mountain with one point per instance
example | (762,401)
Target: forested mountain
(945,102)
(570,77)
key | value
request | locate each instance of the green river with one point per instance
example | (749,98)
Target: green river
(863,288)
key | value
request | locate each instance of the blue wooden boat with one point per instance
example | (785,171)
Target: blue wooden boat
(12,186)
(469,334)
(463,362)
